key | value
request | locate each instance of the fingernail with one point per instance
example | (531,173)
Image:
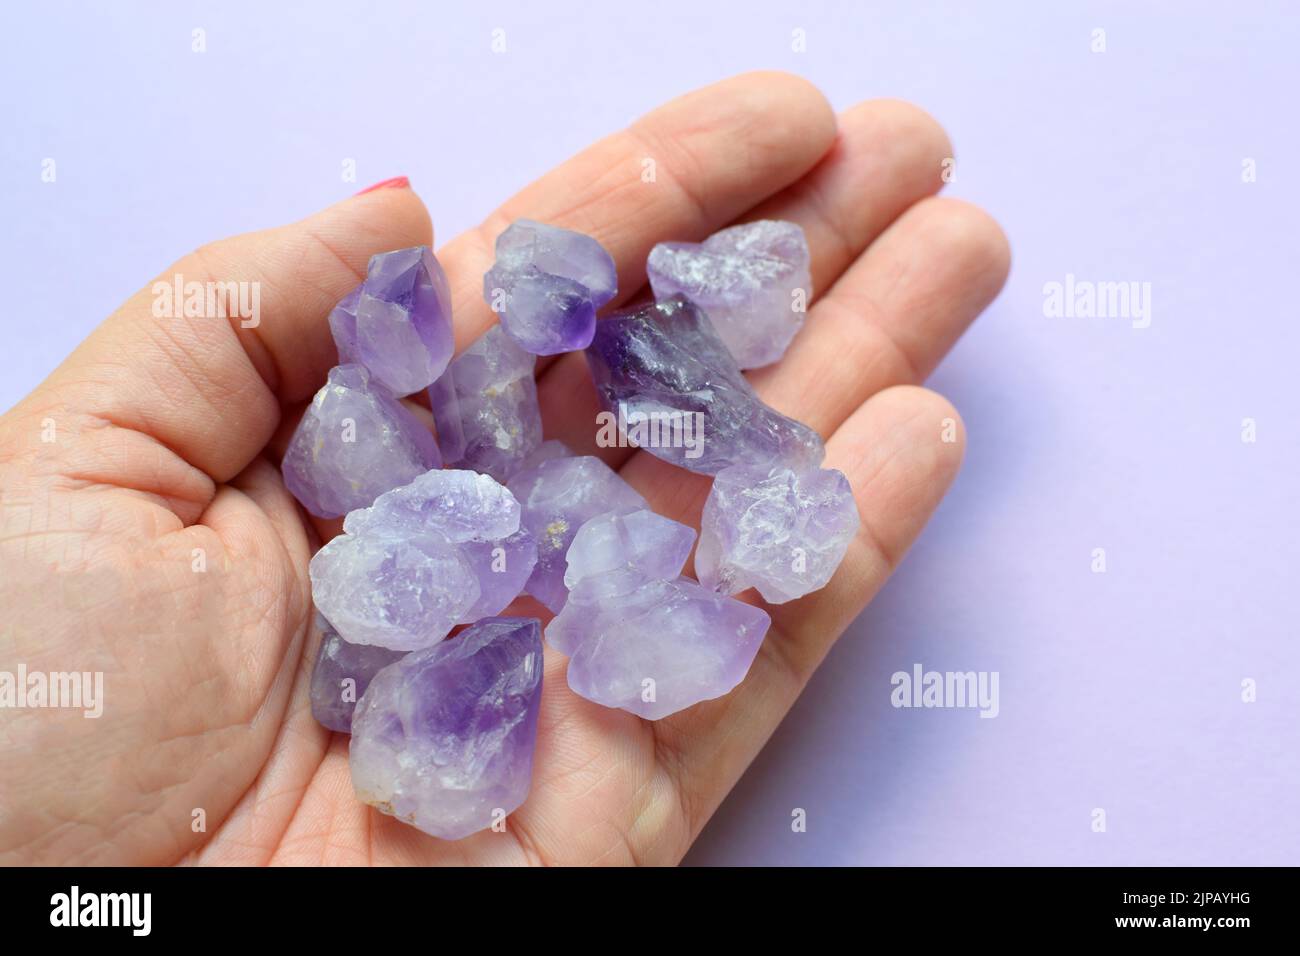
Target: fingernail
(397,182)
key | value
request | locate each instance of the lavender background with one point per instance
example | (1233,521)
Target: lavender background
(1119,690)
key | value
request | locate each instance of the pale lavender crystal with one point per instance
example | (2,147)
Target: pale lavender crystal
(557,496)
(664,364)
(627,547)
(444,738)
(354,442)
(502,566)
(612,556)
(780,530)
(661,648)
(341,674)
(546,451)
(752,281)
(638,636)
(432,554)
(485,406)
(397,323)
(547,284)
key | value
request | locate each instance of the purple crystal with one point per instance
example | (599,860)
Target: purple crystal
(502,567)
(557,496)
(354,442)
(638,636)
(443,739)
(611,556)
(663,364)
(341,674)
(485,406)
(547,284)
(397,323)
(621,549)
(421,559)
(751,280)
(776,529)
(660,648)
(546,451)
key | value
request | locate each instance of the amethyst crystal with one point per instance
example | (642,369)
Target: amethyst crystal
(354,442)
(557,496)
(639,637)
(618,549)
(485,406)
(751,280)
(341,674)
(423,558)
(397,323)
(776,529)
(669,382)
(443,739)
(547,284)
(665,647)
(611,556)
(546,451)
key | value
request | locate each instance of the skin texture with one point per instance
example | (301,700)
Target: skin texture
(167,434)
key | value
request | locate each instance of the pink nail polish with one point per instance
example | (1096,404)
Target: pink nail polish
(397,182)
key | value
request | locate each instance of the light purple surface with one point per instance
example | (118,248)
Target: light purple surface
(1118,690)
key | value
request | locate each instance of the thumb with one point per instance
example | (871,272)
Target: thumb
(205,377)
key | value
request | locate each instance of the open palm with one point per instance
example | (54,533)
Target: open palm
(145,532)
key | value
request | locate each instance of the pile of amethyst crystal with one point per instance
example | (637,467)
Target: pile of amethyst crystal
(440,537)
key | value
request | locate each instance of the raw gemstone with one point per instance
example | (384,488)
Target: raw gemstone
(443,739)
(341,674)
(751,280)
(557,496)
(634,546)
(663,364)
(423,558)
(776,529)
(397,323)
(638,636)
(502,566)
(354,442)
(546,451)
(612,556)
(485,406)
(547,284)
(661,648)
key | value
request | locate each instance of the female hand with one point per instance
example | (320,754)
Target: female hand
(158,441)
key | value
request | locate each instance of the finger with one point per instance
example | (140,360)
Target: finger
(893,315)
(899,461)
(887,156)
(680,172)
(208,389)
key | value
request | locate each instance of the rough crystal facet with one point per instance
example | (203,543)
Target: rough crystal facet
(659,648)
(397,323)
(547,284)
(665,360)
(354,442)
(752,281)
(638,636)
(633,547)
(443,739)
(557,496)
(341,674)
(485,406)
(423,558)
(779,530)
